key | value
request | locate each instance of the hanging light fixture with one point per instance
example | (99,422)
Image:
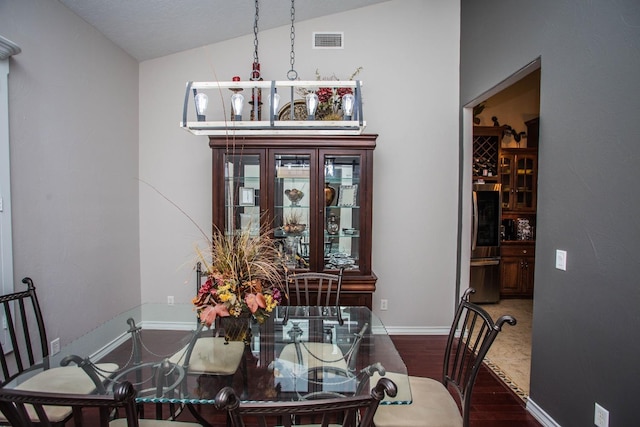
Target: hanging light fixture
(277,124)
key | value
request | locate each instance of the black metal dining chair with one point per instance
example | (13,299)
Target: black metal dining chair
(313,289)
(27,408)
(24,356)
(24,408)
(352,411)
(472,333)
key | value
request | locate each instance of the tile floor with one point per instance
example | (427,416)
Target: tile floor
(510,355)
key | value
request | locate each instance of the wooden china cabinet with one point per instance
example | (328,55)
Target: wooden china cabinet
(313,192)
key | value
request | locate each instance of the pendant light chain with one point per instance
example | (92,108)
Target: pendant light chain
(255,75)
(256,93)
(292,74)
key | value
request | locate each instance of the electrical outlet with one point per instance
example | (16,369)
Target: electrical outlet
(561,260)
(55,346)
(384,304)
(170,300)
(601,417)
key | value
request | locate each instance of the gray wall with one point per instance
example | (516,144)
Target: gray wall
(585,330)
(73,101)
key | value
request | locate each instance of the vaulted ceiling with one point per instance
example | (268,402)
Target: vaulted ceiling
(148,29)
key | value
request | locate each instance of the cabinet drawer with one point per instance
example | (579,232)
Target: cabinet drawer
(517,250)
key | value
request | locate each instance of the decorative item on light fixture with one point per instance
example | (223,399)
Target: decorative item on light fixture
(202,100)
(347,105)
(312,103)
(256,94)
(237,102)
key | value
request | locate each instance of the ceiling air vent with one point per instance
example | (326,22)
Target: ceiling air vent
(333,40)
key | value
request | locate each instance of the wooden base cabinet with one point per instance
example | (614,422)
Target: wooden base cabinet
(313,192)
(517,268)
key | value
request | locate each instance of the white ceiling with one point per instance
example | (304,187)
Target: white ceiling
(148,29)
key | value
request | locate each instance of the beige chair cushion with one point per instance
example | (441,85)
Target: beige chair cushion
(433,406)
(212,355)
(314,355)
(63,379)
(122,422)
(293,374)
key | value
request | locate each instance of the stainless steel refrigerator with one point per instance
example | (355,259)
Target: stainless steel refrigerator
(485,243)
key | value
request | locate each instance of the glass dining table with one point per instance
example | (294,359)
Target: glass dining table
(297,353)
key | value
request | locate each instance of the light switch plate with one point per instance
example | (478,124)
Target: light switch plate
(561,260)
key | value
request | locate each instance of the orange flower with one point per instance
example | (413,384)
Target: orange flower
(209,313)
(255,301)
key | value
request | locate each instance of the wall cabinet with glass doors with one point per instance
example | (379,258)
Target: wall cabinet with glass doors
(519,175)
(313,192)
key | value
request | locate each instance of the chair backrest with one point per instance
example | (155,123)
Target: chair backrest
(353,411)
(27,335)
(314,289)
(470,338)
(20,406)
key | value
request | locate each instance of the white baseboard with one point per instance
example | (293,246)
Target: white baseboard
(418,330)
(109,347)
(394,330)
(115,343)
(540,415)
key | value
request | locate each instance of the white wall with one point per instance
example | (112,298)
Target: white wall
(409,51)
(74,160)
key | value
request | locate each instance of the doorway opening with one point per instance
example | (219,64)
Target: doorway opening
(505,119)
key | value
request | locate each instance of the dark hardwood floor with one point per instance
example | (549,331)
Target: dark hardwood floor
(493,403)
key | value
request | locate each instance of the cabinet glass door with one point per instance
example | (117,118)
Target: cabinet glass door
(293,197)
(505,179)
(342,211)
(524,182)
(242,193)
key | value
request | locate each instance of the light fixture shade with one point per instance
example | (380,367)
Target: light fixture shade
(237,103)
(348,101)
(312,105)
(202,101)
(274,101)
